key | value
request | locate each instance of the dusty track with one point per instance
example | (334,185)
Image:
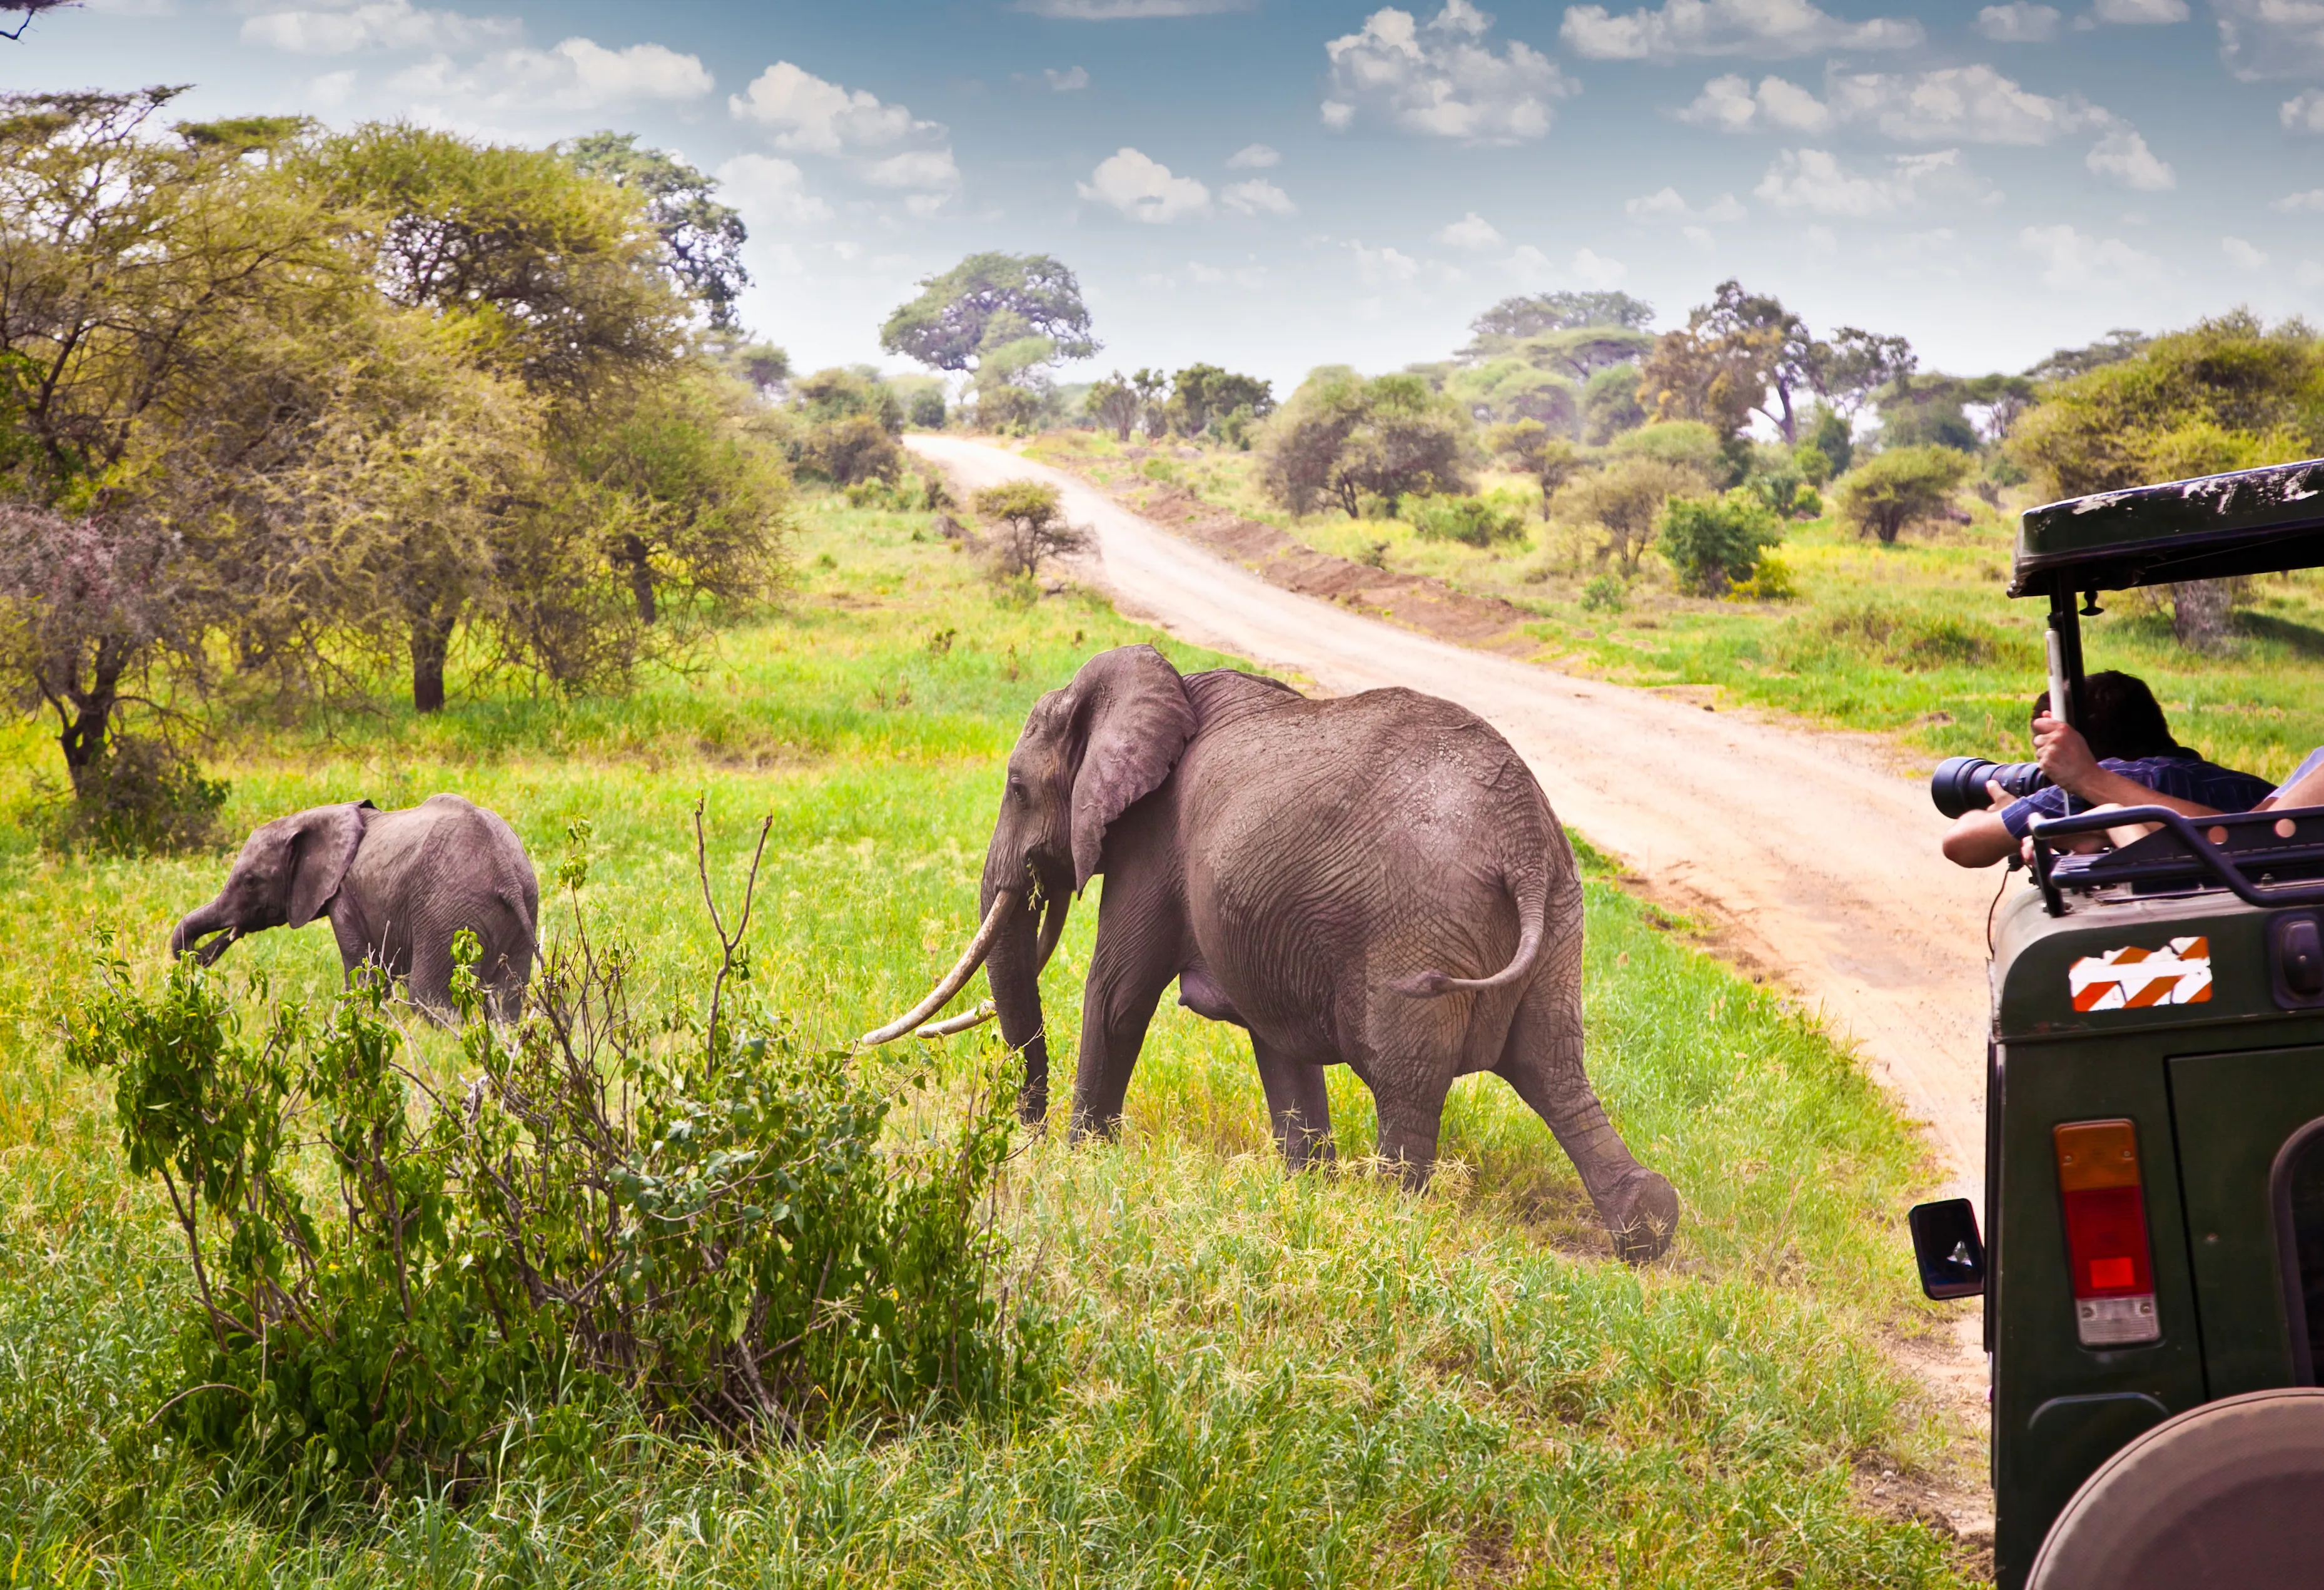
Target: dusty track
(1813,853)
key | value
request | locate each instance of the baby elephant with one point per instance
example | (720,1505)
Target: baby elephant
(397,886)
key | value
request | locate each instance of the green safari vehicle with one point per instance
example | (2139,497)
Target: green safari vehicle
(2154,1270)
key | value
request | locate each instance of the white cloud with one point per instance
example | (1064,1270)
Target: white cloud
(1070,80)
(2139,12)
(881,145)
(1822,241)
(1812,182)
(1471,232)
(2271,38)
(2304,112)
(577,74)
(2073,259)
(808,115)
(133,7)
(2308,203)
(1376,266)
(1769,30)
(2018,23)
(1731,105)
(375,24)
(769,188)
(2242,255)
(1128,10)
(1593,269)
(2123,155)
(1668,206)
(1258,196)
(1253,157)
(1699,238)
(1443,80)
(1950,105)
(331,89)
(1143,189)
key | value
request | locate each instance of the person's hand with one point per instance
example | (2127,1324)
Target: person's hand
(2001,799)
(2062,753)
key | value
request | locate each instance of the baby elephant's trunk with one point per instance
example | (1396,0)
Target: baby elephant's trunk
(197,925)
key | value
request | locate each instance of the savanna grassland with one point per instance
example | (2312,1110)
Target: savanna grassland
(1913,640)
(1312,1381)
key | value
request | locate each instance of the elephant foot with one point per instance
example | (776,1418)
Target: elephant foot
(1641,1216)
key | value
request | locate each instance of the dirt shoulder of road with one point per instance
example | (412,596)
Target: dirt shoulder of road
(1415,601)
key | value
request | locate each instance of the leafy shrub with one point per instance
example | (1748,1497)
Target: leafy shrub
(1771,581)
(1605,593)
(850,450)
(141,798)
(1915,643)
(1624,501)
(1475,522)
(407,1281)
(1813,462)
(1713,542)
(1808,503)
(1029,527)
(1898,488)
(927,410)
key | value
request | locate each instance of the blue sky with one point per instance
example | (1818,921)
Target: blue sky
(1271,185)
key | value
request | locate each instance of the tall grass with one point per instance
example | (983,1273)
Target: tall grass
(1315,1380)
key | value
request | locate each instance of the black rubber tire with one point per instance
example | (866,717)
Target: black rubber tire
(2228,1494)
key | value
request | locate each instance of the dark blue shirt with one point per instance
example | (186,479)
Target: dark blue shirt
(2189,778)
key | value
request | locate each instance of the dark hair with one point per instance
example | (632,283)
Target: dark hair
(2125,721)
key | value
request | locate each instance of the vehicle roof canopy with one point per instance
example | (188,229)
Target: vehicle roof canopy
(2252,522)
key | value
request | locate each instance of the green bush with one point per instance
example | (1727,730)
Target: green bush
(1898,487)
(1605,593)
(1771,581)
(407,1280)
(1475,522)
(141,798)
(1714,541)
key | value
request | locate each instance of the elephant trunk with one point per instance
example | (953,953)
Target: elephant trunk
(198,924)
(1014,969)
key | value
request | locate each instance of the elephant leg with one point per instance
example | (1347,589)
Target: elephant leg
(1543,1060)
(1139,950)
(1298,1108)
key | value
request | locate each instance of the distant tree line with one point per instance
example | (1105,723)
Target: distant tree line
(281,409)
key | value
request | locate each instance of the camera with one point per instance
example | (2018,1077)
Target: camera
(1959,783)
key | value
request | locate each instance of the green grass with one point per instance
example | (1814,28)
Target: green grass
(1285,1380)
(1915,641)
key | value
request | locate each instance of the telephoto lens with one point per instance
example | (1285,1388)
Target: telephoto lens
(1959,783)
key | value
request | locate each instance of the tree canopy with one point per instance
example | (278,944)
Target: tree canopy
(986,302)
(1341,438)
(703,237)
(1513,318)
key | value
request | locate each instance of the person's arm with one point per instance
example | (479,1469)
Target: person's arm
(2305,790)
(2063,754)
(1980,838)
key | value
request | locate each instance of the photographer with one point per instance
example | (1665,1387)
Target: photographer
(2123,756)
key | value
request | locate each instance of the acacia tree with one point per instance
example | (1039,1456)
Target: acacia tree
(1004,317)
(1115,404)
(701,237)
(1539,451)
(1343,437)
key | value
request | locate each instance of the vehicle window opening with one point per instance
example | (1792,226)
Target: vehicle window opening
(2296,1191)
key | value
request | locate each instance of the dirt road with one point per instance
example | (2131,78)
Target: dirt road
(1816,855)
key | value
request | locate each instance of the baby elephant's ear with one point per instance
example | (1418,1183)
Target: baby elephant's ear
(1135,720)
(323,844)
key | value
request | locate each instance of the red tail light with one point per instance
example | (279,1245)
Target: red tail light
(2105,1233)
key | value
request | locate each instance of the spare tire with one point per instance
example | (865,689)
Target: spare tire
(2229,1493)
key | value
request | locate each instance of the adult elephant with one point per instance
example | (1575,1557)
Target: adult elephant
(397,887)
(1376,880)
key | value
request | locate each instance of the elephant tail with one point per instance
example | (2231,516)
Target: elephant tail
(1532,911)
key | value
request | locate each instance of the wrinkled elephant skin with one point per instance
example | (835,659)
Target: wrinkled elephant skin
(397,886)
(1376,881)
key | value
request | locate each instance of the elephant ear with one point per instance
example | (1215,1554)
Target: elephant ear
(322,848)
(1135,720)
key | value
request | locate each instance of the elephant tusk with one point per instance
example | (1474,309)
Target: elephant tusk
(960,1024)
(208,954)
(954,981)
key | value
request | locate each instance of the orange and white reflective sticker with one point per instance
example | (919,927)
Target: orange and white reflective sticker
(2133,979)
